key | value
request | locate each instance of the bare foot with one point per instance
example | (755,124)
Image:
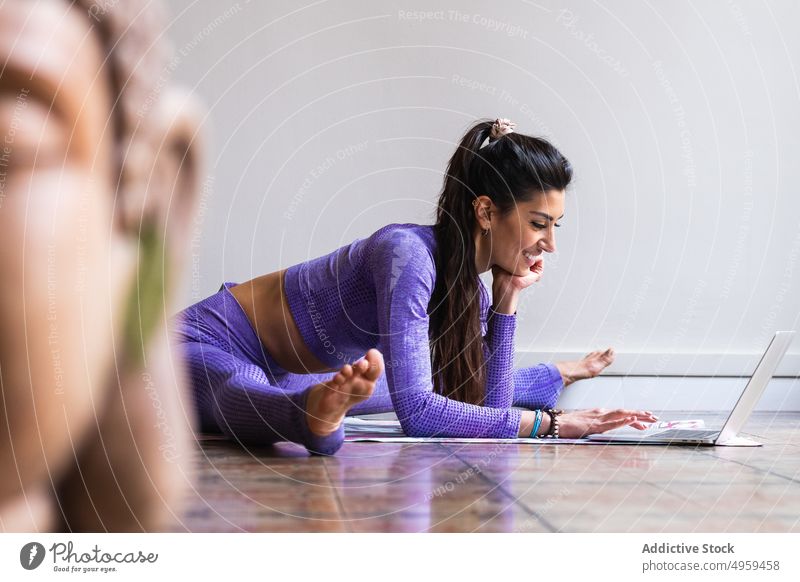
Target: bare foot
(328,402)
(590,366)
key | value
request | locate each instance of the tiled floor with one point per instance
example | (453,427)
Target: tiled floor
(379,487)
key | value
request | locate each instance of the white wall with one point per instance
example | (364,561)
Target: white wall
(681,240)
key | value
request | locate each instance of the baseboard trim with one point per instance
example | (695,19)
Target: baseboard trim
(657,365)
(686,393)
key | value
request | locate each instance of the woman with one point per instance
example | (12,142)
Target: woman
(260,354)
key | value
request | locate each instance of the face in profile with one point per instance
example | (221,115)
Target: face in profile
(92,405)
(526,231)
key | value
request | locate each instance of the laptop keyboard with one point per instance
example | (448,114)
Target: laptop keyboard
(676,433)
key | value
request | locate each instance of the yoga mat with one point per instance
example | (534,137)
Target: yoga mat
(388,431)
(358,429)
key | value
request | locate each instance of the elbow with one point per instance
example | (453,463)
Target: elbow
(418,418)
(416,427)
(421,422)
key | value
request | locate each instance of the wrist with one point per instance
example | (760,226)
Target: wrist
(528,418)
(507,307)
(554,430)
(544,428)
(564,369)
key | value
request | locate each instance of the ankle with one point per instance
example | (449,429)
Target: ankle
(317,439)
(316,418)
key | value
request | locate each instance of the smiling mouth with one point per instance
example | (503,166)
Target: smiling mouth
(531,258)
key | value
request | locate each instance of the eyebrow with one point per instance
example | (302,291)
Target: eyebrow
(547,216)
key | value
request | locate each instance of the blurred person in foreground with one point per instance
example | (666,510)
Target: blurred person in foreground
(99,169)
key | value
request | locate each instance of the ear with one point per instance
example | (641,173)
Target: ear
(484,208)
(161,175)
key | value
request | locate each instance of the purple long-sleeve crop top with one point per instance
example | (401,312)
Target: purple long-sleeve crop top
(333,300)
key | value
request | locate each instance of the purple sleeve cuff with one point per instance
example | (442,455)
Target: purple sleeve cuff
(555,375)
(537,386)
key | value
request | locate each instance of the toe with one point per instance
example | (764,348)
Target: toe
(346,371)
(360,367)
(375,360)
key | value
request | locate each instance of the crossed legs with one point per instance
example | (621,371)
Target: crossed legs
(235,397)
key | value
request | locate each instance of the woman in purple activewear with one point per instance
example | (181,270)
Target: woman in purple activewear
(287,355)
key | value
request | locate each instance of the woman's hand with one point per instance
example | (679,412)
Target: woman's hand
(579,423)
(506,286)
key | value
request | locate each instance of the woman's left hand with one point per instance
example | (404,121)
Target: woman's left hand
(506,286)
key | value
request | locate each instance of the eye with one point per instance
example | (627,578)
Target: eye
(540,226)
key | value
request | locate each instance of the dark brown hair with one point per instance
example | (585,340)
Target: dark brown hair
(510,170)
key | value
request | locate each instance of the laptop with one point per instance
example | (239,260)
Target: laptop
(736,420)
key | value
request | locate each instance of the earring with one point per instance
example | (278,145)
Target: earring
(484,232)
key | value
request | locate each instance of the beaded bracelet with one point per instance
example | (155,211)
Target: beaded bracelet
(536,423)
(553,413)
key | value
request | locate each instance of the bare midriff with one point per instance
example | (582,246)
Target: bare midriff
(264,301)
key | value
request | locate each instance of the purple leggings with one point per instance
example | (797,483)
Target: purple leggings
(238,389)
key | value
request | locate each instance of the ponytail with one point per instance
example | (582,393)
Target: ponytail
(454,310)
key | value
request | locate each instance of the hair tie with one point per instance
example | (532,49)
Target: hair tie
(500,127)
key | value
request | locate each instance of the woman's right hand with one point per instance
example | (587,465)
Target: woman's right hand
(580,423)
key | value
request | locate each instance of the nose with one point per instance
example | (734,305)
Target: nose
(548,243)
